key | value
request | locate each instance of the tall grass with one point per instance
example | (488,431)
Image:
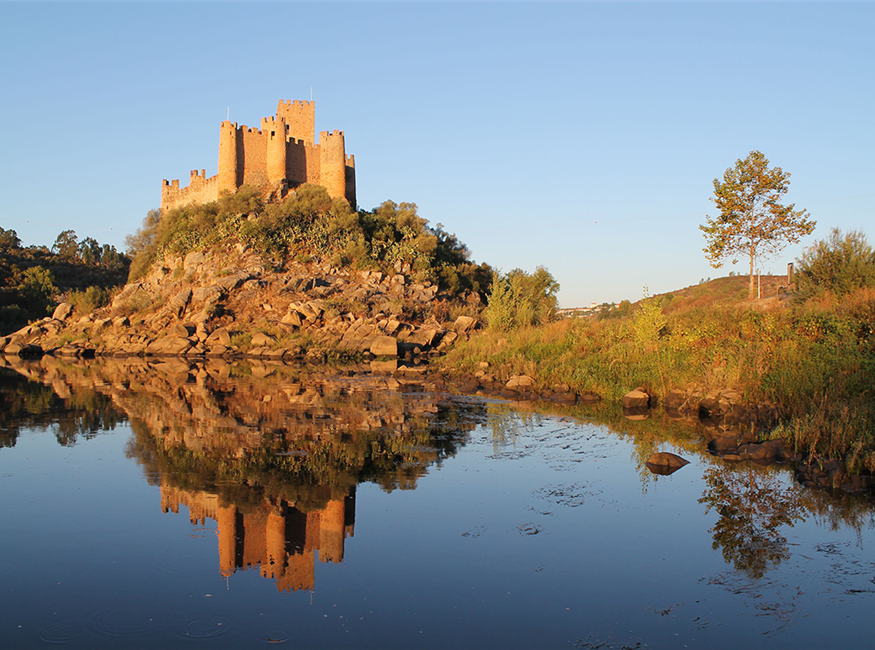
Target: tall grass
(815,362)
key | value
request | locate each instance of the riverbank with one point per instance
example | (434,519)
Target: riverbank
(802,374)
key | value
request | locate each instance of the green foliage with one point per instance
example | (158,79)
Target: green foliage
(752,222)
(38,289)
(815,364)
(90,299)
(308,225)
(519,299)
(31,278)
(648,322)
(840,264)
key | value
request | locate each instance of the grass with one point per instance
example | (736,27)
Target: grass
(815,362)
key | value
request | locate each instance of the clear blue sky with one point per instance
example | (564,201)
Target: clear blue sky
(579,136)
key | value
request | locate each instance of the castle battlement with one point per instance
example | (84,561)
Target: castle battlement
(252,156)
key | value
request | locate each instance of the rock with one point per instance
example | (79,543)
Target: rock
(768,450)
(709,408)
(424,337)
(520,383)
(193,259)
(636,399)
(179,302)
(212,293)
(722,444)
(22,350)
(386,367)
(666,458)
(293,318)
(169,345)
(178,330)
(384,346)
(220,336)
(464,324)
(262,340)
(675,400)
(63,311)
(231,282)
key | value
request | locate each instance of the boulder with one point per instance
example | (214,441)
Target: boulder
(636,399)
(193,259)
(666,458)
(384,346)
(520,383)
(262,340)
(169,345)
(179,302)
(220,336)
(63,311)
(464,324)
(768,450)
(675,400)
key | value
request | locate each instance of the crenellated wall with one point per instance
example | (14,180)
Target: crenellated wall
(280,155)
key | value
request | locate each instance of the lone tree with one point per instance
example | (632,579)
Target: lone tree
(752,222)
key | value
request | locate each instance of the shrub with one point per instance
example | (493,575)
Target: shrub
(519,299)
(840,264)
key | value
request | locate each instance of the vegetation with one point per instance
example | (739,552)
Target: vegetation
(814,361)
(840,265)
(752,222)
(519,299)
(34,279)
(311,226)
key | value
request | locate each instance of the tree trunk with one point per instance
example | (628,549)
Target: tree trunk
(751,294)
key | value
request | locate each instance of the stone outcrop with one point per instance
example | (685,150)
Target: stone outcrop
(234,302)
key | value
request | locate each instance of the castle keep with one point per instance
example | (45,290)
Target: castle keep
(277,157)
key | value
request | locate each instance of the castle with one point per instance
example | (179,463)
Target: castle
(278,157)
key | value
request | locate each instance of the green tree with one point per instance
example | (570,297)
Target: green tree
(839,264)
(37,287)
(752,221)
(519,299)
(67,246)
(9,240)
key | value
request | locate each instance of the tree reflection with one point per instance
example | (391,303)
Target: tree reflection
(753,504)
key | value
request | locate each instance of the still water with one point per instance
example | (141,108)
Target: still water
(168,505)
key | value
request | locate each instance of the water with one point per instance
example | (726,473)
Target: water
(241,506)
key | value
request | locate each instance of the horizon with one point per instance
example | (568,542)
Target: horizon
(581,137)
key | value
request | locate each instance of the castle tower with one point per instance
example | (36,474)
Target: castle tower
(228,137)
(301,118)
(332,163)
(275,131)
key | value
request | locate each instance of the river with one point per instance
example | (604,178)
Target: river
(244,505)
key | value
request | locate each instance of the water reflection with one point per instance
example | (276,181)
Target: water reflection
(271,453)
(754,505)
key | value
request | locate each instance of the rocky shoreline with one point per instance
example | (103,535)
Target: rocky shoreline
(235,304)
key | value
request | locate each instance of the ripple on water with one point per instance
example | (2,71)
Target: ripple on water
(202,629)
(63,632)
(276,637)
(123,622)
(5,566)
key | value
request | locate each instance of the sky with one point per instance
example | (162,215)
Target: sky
(583,137)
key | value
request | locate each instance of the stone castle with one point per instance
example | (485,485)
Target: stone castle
(276,158)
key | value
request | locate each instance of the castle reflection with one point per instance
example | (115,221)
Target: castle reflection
(276,537)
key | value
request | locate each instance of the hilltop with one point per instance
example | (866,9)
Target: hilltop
(304,277)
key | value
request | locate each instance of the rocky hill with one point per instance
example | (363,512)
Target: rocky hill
(233,301)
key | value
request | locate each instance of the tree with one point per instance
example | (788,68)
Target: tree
(752,222)
(67,246)
(520,299)
(840,264)
(37,287)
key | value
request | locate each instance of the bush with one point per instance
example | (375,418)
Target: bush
(840,264)
(309,225)
(87,301)
(519,299)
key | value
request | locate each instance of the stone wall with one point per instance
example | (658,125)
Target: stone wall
(253,156)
